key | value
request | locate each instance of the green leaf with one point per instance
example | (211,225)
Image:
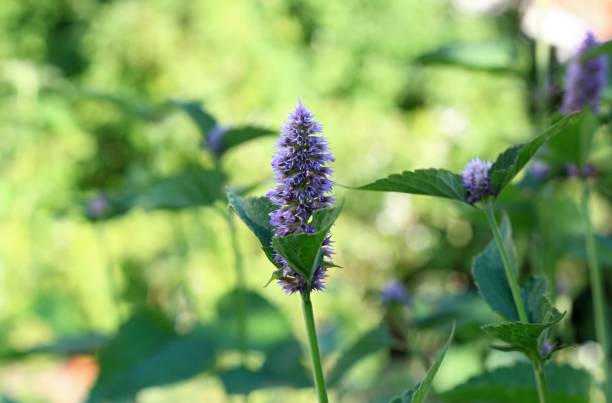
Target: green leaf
(148,352)
(188,189)
(266,326)
(255,213)
(509,163)
(235,136)
(573,142)
(522,336)
(604,48)
(200,117)
(431,182)
(419,392)
(370,342)
(491,57)
(303,251)
(86,344)
(490,276)
(516,384)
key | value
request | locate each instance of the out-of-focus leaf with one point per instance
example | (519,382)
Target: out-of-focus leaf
(235,136)
(255,213)
(370,342)
(510,162)
(266,326)
(490,276)
(105,207)
(431,182)
(202,119)
(523,336)
(603,245)
(419,392)
(604,48)
(516,384)
(303,251)
(573,142)
(87,344)
(491,57)
(188,189)
(282,367)
(148,352)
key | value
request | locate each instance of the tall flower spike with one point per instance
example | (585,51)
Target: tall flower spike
(476,179)
(585,80)
(303,186)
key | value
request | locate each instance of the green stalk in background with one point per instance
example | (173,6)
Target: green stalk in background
(311,330)
(240,287)
(516,294)
(595,276)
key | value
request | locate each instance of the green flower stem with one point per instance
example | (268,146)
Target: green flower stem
(510,275)
(596,281)
(317,370)
(240,286)
(539,377)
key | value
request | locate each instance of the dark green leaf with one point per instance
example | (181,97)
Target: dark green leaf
(419,392)
(147,352)
(69,346)
(303,251)
(432,182)
(599,50)
(491,57)
(188,189)
(509,163)
(516,384)
(490,276)
(534,298)
(202,119)
(255,213)
(266,327)
(522,336)
(573,142)
(235,136)
(370,342)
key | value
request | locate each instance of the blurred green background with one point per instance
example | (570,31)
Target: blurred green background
(82,89)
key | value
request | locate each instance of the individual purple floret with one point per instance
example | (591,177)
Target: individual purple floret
(303,187)
(97,207)
(394,292)
(476,179)
(585,80)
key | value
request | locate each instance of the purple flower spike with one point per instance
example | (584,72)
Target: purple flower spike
(394,292)
(303,187)
(585,80)
(476,179)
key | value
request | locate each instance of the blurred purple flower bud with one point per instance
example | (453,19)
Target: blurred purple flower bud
(97,206)
(303,187)
(547,348)
(213,140)
(539,169)
(589,170)
(394,292)
(585,80)
(476,179)
(572,170)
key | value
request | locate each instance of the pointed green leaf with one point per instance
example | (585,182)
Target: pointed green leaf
(370,342)
(573,142)
(235,136)
(490,276)
(255,213)
(200,117)
(604,48)
(303,251)
(516,384)
(187,189)
(419,392)
(491,57)
(509,163)
(431,182)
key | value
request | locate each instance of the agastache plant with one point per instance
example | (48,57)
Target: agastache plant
(585,79)
(495,270)
(303,187)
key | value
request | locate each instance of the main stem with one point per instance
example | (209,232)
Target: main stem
(516,294)
(596,282)
(311,330)
(240,287)
(510,275)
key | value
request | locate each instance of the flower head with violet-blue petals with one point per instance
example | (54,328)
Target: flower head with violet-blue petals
(475,178)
